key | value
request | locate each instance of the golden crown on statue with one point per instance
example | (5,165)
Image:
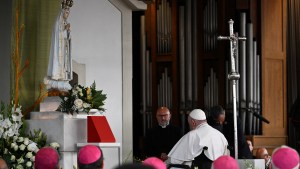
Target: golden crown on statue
(66,4)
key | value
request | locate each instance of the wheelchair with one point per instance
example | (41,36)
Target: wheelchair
(200,162)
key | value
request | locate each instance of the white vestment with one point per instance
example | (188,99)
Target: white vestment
(191,145)
(60,64)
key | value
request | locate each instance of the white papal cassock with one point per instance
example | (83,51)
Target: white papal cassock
(191,145)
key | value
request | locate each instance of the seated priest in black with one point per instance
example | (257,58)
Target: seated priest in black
(160,139)
(225,125)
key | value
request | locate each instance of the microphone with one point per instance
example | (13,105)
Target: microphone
(261,117)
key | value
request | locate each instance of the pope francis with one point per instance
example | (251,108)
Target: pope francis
(202,139)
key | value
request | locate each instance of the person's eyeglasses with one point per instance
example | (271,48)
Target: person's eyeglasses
(163,115)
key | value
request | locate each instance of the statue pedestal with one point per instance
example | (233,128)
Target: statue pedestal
(50,104)
(71,134)
(61,129)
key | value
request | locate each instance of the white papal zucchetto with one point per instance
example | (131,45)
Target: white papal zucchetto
(197,114)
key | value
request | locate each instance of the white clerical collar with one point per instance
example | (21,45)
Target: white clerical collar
(165,126)
(201,125)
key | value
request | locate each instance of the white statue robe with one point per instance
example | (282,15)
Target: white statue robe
(191,145)
(60,64)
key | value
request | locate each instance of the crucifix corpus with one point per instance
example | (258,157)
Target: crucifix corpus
(233,76)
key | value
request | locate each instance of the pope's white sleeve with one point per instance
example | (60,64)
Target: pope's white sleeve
(175,161)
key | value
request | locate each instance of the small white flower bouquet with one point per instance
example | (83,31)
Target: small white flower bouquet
(82,99)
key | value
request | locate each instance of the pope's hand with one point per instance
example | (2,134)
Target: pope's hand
(163,156)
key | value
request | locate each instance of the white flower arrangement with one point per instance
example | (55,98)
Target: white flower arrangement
(55,145)
(82,99)
(17,148)
(10,122)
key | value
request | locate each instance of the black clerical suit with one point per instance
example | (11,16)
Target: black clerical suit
(161,140)
(228,130)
